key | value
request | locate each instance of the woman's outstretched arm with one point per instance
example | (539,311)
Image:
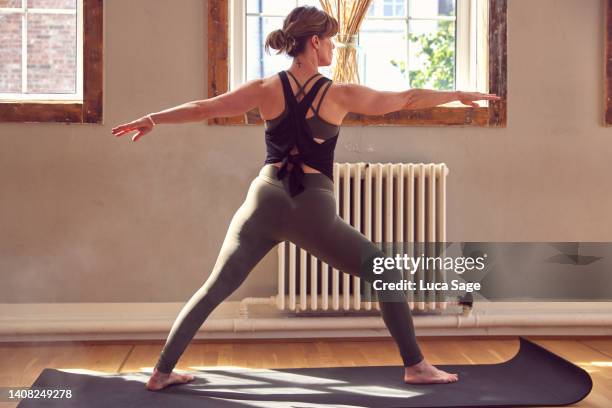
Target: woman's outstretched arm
(362,99)
(238,101)
(242,99)
(428,98)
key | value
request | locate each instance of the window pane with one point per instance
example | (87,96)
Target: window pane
(10,53)
(51,53)
(447,7)
(432,54)
(398,8)
(394,8)
(259,63)
(385,45)
(387,8)
(10,3)
(271,6)
(54,4)
(314,3)
(432,8)
(371,9)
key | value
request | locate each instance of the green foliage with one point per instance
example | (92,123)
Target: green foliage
(439,67)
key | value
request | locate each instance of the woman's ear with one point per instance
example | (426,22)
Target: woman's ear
(316,41)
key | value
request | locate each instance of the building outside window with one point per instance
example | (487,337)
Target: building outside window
(41,55)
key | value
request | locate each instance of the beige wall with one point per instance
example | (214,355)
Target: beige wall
(87,217)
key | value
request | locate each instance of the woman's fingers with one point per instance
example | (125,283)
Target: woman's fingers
(470,97)
(120,132)
(140,134)
(122,127)
(493,97)
(123,130)
(142,126)
(490,97)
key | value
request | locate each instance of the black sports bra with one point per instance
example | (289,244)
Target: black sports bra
(320,128)
(293,130)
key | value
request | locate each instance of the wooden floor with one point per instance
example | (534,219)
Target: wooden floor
(20,364)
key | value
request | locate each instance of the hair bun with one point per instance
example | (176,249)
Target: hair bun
(287,37)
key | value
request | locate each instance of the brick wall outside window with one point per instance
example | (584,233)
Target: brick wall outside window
(51,48)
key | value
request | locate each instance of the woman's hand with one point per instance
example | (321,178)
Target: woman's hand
(143,125)
(468,98)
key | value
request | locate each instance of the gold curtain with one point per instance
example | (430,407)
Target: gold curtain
(350,14)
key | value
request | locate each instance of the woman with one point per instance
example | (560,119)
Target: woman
(292,197)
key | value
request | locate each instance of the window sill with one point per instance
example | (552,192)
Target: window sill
(484,116)
(50,111)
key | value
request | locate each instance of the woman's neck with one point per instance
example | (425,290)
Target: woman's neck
(303,70)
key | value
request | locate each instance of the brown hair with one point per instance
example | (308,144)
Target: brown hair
(299,25)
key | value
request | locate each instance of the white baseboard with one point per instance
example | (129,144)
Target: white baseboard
(152,321)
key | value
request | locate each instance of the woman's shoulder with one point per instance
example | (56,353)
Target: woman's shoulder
(271,82)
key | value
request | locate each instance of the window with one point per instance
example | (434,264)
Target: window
(51,61)
(434,44)
(442,52)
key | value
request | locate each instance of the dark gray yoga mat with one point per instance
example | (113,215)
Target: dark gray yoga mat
(533,377)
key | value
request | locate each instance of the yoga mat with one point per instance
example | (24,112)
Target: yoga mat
(533,377)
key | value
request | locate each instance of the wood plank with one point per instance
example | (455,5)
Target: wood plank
(498,61)
(608,65)
(21,365)
(603,345)
(93,61)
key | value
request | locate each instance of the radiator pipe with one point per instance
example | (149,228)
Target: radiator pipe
(490,316)
(12,328)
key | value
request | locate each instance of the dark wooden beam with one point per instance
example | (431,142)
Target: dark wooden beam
(93,61)
(498,53)
(608,66)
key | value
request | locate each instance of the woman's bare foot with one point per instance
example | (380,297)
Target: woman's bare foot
(425,373)
(161,380)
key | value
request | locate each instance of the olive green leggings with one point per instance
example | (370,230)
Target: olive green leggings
(268,216)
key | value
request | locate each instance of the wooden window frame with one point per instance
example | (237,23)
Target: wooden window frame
(608,66)
(88,111)
(493,115)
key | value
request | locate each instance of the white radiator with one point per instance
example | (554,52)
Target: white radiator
(387,202)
